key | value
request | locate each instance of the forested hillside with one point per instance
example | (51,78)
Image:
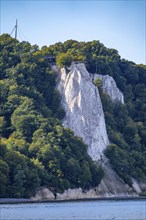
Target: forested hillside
(35,149)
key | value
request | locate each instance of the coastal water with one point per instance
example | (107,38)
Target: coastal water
(84,210)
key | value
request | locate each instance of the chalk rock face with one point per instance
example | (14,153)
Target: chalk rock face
(77,194)
(43,194)
(84,113)
(101,192)
(112,184)
(110,88)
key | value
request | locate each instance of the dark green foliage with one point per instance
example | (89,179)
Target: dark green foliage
(127,132)
(63,59)
(35,149)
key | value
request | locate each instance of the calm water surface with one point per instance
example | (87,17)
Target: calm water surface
(85,210)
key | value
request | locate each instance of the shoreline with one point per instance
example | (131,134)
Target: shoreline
(27,201)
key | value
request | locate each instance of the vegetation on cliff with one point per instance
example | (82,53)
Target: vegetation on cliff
(35,149)
(126,124)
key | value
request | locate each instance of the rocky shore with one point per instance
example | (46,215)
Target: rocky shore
(22,200)
(45,195)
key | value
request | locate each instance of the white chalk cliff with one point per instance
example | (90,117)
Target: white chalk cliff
(110,88)
(84,113)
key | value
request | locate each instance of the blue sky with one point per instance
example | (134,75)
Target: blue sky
(118,24)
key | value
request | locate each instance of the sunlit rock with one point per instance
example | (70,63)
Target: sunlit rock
(109,87)
(43,194)
(84,113)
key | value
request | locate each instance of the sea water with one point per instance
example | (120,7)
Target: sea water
(80,210)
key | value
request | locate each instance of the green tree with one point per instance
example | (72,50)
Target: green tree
(63,60)
(4,178)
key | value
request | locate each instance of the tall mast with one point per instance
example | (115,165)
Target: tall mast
(16,27)
(16,30)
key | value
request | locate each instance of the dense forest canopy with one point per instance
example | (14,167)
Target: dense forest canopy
(35,149)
